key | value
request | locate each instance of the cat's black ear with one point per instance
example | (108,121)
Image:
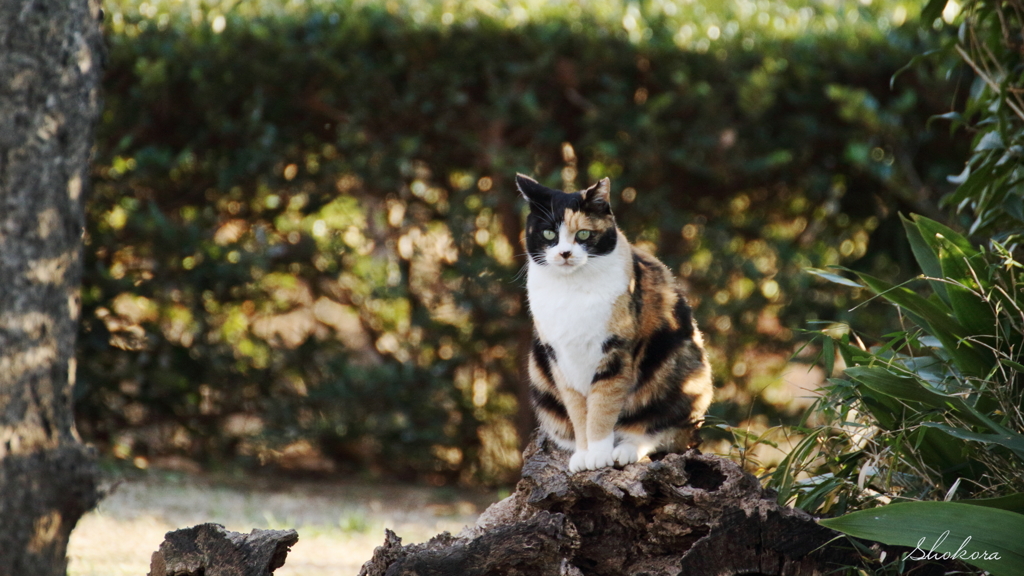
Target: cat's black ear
(532,190)
(596,197)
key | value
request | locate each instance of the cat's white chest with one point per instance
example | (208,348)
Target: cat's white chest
(572,314)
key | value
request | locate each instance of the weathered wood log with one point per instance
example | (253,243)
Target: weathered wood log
(210,550)
(683,514)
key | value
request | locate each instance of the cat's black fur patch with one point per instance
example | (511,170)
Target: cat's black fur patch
(684,316)
(674,410)
(613,342)
(548,402)
(665,342)
(659,347)
(603,244)
(544,354)
(613,369)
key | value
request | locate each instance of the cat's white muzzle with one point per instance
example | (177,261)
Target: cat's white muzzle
(566,256)
(566,265)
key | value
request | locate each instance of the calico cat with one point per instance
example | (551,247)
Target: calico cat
(617,368)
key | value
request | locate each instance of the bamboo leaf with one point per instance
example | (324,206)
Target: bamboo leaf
(1014,206)
(955,118)
(926,256)
(960,178)
(963,291)
(828,354)
(990,141)
(836,278)
(902,387)
(1012,503)
(907,388)
(785,474)
(974,181)
(985,537)
(930,230)
(913,64)
(948,455)
(1007,439)
(967,356)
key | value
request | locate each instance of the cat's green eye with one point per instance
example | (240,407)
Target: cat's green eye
(549,234)
(583,235)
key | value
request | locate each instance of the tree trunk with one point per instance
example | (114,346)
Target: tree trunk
(50,63)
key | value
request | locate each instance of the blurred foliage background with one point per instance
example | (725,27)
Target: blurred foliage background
(303,244)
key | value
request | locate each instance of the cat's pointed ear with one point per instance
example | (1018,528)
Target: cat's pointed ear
(596,198)
(532,190)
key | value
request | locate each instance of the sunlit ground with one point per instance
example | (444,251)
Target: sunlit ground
(339,524)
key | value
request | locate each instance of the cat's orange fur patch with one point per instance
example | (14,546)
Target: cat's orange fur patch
(576,406)
(576,221)
(622,323)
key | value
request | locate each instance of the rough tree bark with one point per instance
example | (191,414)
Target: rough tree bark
(210,550)
(684,514)
(50,62)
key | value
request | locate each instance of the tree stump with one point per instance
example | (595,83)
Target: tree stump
(683,514)
(210,550)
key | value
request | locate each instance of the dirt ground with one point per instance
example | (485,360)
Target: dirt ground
(339,523)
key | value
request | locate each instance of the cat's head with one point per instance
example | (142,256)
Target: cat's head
(563,229)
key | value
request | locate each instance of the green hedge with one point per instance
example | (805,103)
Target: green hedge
(304,226)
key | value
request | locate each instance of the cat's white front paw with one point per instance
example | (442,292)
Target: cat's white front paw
(578,461)
(626,453)
(599,454)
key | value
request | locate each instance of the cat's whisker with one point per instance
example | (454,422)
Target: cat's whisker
(521,274)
